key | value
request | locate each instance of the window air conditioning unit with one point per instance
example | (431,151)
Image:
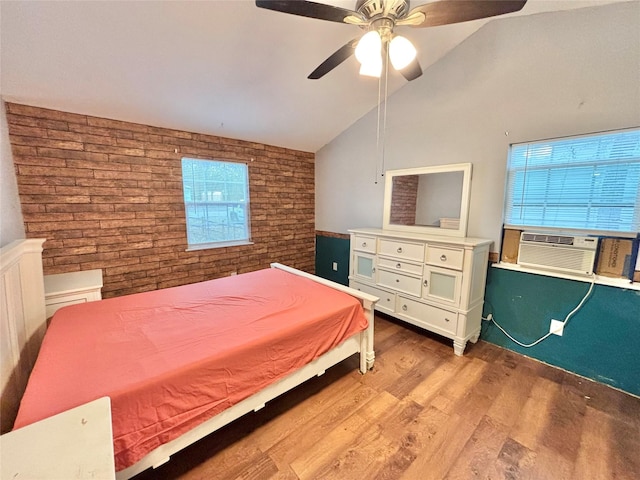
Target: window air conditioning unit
(562,253)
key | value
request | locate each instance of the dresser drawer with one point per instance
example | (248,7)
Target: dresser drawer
(432,317)
(448,257)
(400,283)
(400,266)
(364,244)
(386,302)
(402,250)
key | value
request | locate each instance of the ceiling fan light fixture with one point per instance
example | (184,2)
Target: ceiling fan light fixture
(372,67)
(369,48)
(401,52)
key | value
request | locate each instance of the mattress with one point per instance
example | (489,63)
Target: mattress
(170,359)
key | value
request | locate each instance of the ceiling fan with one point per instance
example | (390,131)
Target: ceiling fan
(379,18)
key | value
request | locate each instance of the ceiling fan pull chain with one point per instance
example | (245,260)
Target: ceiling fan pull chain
(381,126)
(386,96)
(378,130)
(375,178)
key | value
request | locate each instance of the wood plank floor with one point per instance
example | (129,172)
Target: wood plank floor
(422,414)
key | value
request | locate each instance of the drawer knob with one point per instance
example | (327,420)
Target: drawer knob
(446,319)
(364,244)
(397,280)
(443,258)
(405,308)
(398,265)
(399,250)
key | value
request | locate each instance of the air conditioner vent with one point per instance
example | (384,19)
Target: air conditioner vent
(542,238)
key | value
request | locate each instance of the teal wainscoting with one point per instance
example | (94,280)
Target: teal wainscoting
(328,251)
(601,341)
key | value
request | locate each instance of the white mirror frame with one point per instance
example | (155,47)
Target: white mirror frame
(465,168)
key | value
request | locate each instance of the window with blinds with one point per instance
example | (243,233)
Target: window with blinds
(589,183)
(216,199)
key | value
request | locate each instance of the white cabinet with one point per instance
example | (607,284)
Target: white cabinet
(64,289)
(430,281)
(363,259)
(364,265)
(441,285)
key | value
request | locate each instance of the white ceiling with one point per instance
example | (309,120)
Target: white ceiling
(224,68)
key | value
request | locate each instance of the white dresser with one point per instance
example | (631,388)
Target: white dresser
(434,282)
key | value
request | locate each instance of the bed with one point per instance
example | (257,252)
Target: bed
(180,363)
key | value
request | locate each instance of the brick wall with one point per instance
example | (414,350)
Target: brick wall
(404,195)
(108,194)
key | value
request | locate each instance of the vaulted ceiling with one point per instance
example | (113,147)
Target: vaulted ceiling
(224,68)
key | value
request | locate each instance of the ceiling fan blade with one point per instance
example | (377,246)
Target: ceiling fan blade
(412,71)
(313,10)
(445,12)
(334,60)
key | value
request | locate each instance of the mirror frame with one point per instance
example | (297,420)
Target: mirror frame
(465,168)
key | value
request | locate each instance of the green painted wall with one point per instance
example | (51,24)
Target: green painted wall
(601,341)
(329,250)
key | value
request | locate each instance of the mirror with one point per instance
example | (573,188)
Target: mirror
(431,200)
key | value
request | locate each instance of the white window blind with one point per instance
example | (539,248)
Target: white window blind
(589,183)
(216,199)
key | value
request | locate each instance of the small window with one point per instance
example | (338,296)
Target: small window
(216,200)
(589,183)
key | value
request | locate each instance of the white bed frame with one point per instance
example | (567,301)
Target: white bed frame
(24,323)
(23,320)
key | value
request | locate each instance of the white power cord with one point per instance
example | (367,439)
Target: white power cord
(559,328)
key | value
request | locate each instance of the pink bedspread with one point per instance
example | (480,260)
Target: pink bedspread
(170,359)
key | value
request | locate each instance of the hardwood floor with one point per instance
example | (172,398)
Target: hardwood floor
(422,414)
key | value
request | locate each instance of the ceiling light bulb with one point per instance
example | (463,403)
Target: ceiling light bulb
(369,47)
(372,67)
(401,52)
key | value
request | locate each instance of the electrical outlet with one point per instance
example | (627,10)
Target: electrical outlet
(557,327)
(335,266)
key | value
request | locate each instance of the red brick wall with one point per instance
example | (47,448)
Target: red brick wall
(108,194)
(404,195)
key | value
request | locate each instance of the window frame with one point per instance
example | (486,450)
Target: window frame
(509,194)
(206,198)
